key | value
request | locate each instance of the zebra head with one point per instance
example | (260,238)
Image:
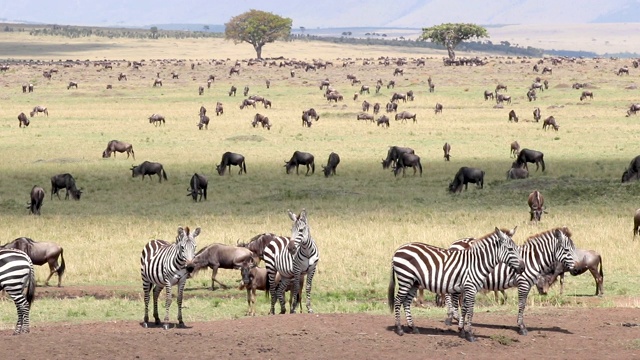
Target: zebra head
(299,231)
(187,246)
(565,251)
(509,252)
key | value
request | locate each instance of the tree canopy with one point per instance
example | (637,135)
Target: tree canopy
(257,28)
(450,35)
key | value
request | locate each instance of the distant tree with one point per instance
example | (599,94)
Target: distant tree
(257,28)
(154,32)
(450,35)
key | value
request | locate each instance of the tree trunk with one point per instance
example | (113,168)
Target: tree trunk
(452,54)
(258,48)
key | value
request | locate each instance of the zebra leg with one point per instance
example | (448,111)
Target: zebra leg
(156,293)
(281,289)
(406,304)
(146,287)
(464,324)
(294,293)
(309,282)
(452,311)
(523,293)
(271,278)
(181,285)
(167,304)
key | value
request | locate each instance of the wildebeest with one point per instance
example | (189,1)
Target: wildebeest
(517,173)
(536,114)
(39,109)
(376,108)
(263,120)
(410,95)
(23,120)
(247,103)
(547,70)
(234,70)
(398,71)
(157,82)
(156,119)
(245,92)
(585,260)
(550,122)
(438,108)
(392,107)
(220,256)
(623,70)
(41,253)
(300,158)
(228,159)
(464,176)
(332,163)
(488,95)
(447,149)
(122,76)
(633,171)
(393,155)
(149,168)
(531,95)
(72,84)
(391,84)
(219,108)
(586,94)
(365,106)
(398,96)
(363,89)
(406,115)
(255,278)
(512,116)
(118,146)
(530,156)
(515,149)
(536,205)
(267,103)
(37,198)
(633,109)
(500,98)
(383,120)
(67,182)
(636,223)
(232,90)
(407,160)
(311,114)
(364,116)
(198,186)
(200,90)
(500,87)
(204,121)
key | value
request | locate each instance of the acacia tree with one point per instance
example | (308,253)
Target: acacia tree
(450,35)
(257,28)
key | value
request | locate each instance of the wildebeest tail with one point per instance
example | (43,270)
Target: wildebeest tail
(420,167)
(244,167)
(164,174)
(62,266)
(542,162)
(31,288)
(313,167)
(392,290)
(133,153)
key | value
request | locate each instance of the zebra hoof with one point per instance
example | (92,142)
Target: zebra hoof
(310,311)
(283,311)
(469,336)
(399,331)
(145,325)
(523,331)
(181,325)
(447,322)
(166,326)
(415,330)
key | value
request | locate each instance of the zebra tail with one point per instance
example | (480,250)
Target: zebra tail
(267,287)
(392,290)
(600,268)
(31,288)
(60,270)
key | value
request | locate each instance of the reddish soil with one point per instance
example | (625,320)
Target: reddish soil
(554,333)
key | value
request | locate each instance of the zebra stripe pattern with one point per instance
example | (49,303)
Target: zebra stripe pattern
(541,253)
(16,275)
(445,271)
(164,264)
(291,257)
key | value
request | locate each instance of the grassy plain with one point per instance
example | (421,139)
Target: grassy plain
(358,217)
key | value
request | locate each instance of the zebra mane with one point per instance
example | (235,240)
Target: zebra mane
(565,230)
(482,239)
(186,230)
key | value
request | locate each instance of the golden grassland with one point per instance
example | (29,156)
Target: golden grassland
(358,217)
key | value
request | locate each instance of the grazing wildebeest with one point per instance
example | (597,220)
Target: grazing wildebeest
(39,109)
(531,156)
(517,173)
(156,119)
(546,70)
(232,90)
(234,70)
(438,108)
(536,114)
(228,159)
(406,115)
(355,96)
(200,90)
(363,89)
(393,155)
(267,103)
(122,76)
(392,107)
(398,96)
(203,110)
(586,94)
(636,223)
(383,120)
(585,260)
(157,82)
(300,158)
(623,70)
(332,163)
(247,103)
(311,114)
(23,120)
(488,95)
(255,278)
(67,182)
(536,205)
(447,149)
(245,92)
(398,71)
(531,95)
(118,146)
(515,149)
(376,108)
(72,84)
(500,98)
(204,121)
(149,168)
(324,84)
(41,253)
(633,109)
(410,95)
(464,176)
(537,86)
(364,116)
(365,106)
(550,122)
(220,256)
(407,160)
(219,108)
(174,75)
(633,171)
(198,186)
(391,84)
(512,116)
(37,198)
(500,87)
(263,120)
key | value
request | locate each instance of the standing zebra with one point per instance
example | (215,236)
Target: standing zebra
(163,264)
(292,258)
(16,274)
(445,271)
(541,253)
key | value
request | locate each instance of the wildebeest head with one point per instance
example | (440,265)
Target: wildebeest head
(134,170)
(106,154)
(245,271)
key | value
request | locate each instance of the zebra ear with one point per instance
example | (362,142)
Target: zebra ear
(196,233)
(180,233)
(292,216)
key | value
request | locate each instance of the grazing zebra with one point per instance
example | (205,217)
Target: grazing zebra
(16,274)
(291,257)
(163,264)
(447,271)
(541,253)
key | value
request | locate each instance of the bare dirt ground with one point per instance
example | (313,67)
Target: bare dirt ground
(554,333)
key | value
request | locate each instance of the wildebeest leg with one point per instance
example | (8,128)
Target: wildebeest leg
(159,177)
(52,270)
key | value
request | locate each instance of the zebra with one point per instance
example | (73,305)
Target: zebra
(446,271)
(291,257)
(541,253)
(163,264)
(16,274)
